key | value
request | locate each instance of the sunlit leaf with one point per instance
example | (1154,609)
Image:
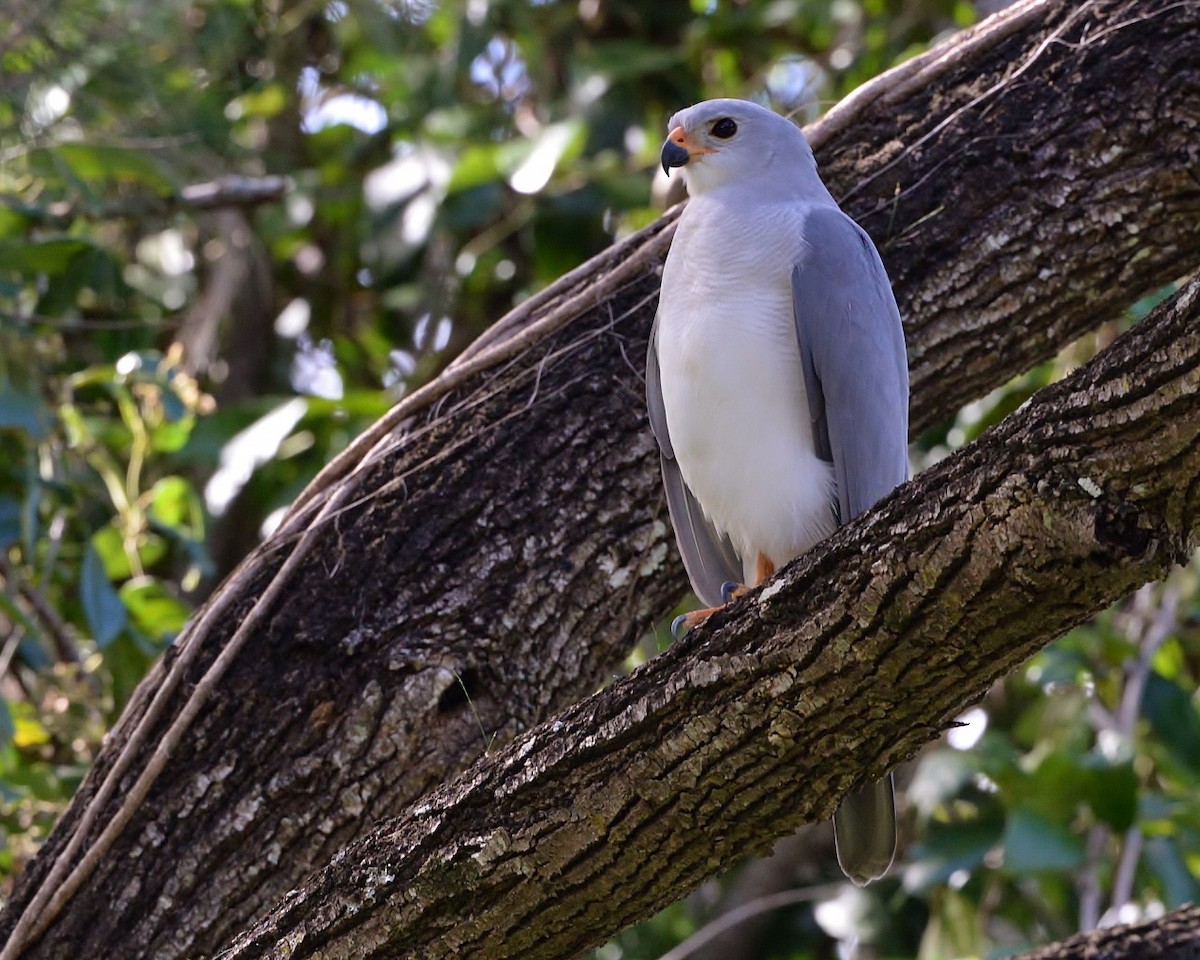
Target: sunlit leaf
(153,608)
(268,101)
(171,501)
(109,546)
(121,164)
(476,165)
(28,730)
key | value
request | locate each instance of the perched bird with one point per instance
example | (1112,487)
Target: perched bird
(777,381)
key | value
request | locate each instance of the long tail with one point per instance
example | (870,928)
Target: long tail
(864,828)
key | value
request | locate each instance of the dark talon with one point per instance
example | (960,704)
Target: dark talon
(679,621)
(729,591)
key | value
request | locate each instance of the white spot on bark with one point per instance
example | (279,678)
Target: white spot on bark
(352,802)
(770,590)
(618,576)
(245,812)
(353,640)
(496,846)
(1090,487)
(654,561)
(703,674)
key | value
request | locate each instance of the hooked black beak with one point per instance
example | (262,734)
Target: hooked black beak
(673,155)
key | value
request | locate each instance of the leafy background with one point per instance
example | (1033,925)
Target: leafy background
(403,172)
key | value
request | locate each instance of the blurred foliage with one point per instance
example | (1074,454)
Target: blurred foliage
(173,372)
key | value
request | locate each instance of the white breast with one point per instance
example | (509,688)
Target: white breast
(733,387)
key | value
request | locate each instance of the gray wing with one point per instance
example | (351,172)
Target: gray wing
(856,378)
(855,365)
(708,556)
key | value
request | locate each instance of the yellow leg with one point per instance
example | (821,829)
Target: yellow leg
(764,569)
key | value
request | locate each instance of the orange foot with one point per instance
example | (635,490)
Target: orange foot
(764,569)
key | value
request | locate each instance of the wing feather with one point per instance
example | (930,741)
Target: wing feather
(855,366)
(856,380)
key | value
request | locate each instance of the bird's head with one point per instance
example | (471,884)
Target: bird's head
(723,141)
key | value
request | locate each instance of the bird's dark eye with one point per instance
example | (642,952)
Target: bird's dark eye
(724,128)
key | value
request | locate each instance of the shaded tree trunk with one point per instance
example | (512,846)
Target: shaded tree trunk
(490,551)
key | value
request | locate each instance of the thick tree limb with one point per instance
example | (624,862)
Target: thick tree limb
(846,665)
(505,543)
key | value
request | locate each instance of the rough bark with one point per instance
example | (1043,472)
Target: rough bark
(504,544)
(861,652)
(1173,937)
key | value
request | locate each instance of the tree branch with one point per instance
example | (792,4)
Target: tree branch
(860,653)
(504,543)
(1173,937)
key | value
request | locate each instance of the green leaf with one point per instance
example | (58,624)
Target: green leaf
(1033,844)
(102,606)
(89,162)
(171,500)
(1113,792)
(171,436)
(266,102)
(110,548)
(948,847)
(127,662)
(1164,858)
(1058,786)
(1173,716)
(954,928)
(476,165)
(49,257)
(153,608)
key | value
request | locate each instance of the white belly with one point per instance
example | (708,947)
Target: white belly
(737,414)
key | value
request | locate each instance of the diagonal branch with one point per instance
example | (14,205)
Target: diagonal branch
(856,656)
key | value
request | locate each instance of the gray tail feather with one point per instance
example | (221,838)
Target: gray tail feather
(864,828)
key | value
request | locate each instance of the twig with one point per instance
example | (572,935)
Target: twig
(231,191)
(55,626)
(710,931)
